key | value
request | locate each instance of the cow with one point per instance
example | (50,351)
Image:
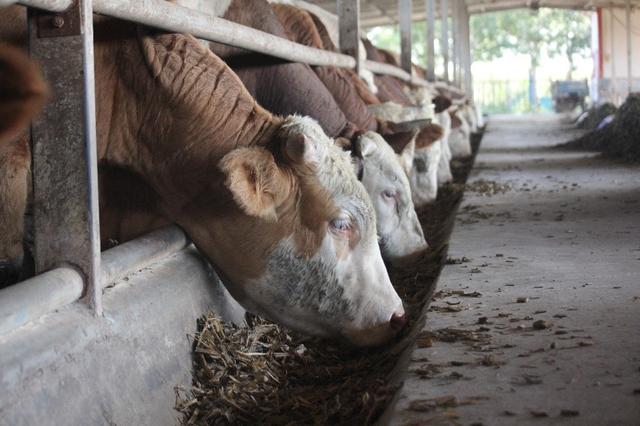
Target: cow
(389,88)
(271,202)
(23,93)
(260,15)
(399,229)
(459,140)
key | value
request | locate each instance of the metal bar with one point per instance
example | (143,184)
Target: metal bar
(430,24)
(467,52)
(171,17)
(629,63)
(136,254)
(444,37)
(65,174)
(49,5)
(404,13)
(30,299)
(455,36)
(612,58)
(349,32)
(386,69)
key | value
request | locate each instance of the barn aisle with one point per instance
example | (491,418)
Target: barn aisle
(537,318)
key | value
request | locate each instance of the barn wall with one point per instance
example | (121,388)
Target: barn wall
(616,61)
(72,368)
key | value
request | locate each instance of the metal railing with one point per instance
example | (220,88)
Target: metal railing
(67,247)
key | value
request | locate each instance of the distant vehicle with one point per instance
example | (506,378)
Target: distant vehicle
(568,94)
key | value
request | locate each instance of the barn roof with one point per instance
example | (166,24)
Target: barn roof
(385,12)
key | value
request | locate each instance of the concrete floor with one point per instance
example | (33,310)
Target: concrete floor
(565,240)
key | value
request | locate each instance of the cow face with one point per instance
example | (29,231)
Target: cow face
(424,174)
(399,230)
(321,271)
(459,139)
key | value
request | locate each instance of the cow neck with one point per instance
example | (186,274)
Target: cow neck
(169,109)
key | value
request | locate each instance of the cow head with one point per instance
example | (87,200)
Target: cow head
(424,171)
(320,270)
(399,230)
(272,203)
(459,139)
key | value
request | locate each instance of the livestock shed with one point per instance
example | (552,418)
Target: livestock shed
(246,212)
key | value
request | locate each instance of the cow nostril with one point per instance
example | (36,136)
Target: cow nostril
(398,321)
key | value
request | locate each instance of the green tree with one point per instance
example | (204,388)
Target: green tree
(554,31)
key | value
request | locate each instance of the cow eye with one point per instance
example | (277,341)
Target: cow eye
(389,194)
(340,225)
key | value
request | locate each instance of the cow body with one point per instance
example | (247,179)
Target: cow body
(271,202)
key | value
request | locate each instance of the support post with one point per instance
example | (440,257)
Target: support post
(430,6)
(455,59)
(404,14)
(444,37)
(629,63)
(65,173)
(612,57)
(349,21)
(467,51)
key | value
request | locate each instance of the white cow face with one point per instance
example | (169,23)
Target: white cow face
(323,272)
(424,174)
(459,139)
(399,230)
(444,166)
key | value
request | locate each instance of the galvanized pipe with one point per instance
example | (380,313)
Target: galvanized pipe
(444,37)
(387,69)
(612,58)
(629,58)
(430,24)
(129,257)
(172,17)
(404,12)
(349,28)
(30,299)
(65,171)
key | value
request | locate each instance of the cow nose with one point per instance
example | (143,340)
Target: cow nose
(397,321)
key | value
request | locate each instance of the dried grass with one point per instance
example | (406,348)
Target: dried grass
(264,374)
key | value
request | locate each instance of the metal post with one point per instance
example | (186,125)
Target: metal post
(612,58)
(629,63)
(444,37)
(456,41)
(404,14)
(349,21)
(467,51)
(65,174)
(430,6)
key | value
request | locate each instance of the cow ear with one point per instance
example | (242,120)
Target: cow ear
(406,156)
(366,147)
(256,182)
(429,135)
(22,92)
(399,141)
(299,149)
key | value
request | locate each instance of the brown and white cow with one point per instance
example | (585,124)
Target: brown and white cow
(271,202)
(22,95)
(301,28)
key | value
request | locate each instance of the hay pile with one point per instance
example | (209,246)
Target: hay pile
(264,374)
(620,138)
(595,115)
